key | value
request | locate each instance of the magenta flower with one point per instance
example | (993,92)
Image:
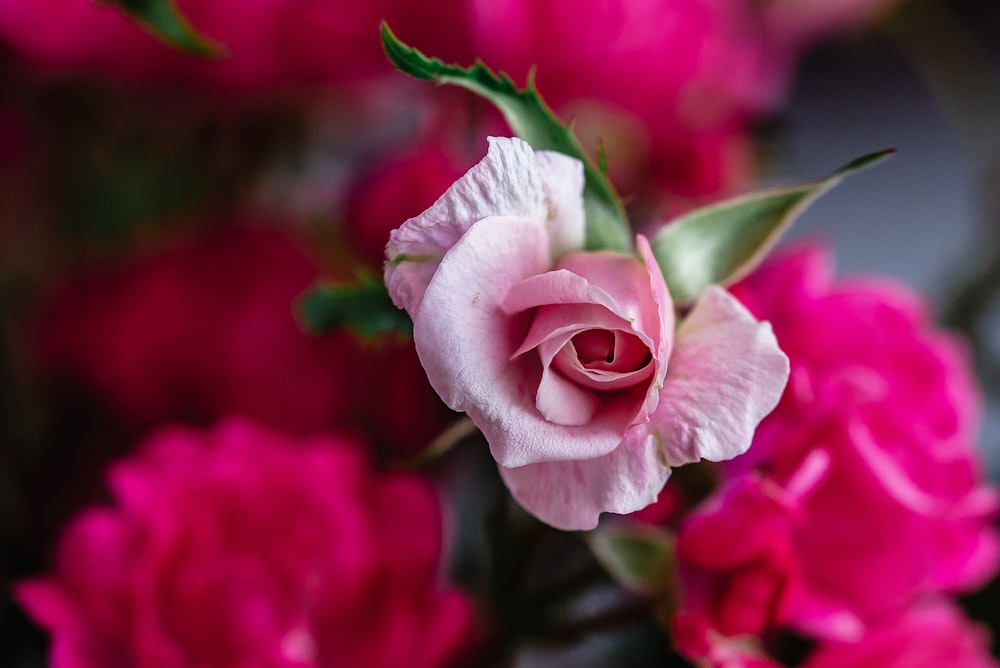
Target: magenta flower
(568,361)
(929,635)
(271,45)
(197,331)
(242,547)
(672,84)
(901,508)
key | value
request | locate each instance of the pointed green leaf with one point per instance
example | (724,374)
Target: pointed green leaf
(531,120)
(364,306)
(165,21)
(640,557)
(723,242)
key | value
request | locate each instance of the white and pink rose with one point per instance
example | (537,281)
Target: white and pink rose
(571,361)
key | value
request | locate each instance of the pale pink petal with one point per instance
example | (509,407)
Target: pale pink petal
(509,181)
(665,311)
(465,341)
(562,181)
(570,495)
(564,402)
(725,374)
(560,286)
(563,321)
(625,279)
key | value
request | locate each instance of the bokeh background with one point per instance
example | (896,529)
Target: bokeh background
(96,174)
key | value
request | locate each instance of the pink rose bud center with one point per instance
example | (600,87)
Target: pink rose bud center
(604,360)
(594,329)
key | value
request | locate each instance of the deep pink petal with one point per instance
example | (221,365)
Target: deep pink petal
(725,374)
(570,495)
(509,181)
(465,341)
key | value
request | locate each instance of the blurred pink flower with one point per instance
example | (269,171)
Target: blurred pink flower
(271,44)
(901,508)
(394,189)
(793,25)
(737,557)
(207,328)
(567,360)
(697,640)
(242,547)
(930,635)
(669,86)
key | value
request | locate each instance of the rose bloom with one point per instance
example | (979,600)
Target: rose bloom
(206,328)
(900,509)
(239,546)
(568,361)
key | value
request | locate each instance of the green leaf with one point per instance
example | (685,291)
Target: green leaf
(165,21)
(640,557)
(723,242)
(364,306)
(534,122)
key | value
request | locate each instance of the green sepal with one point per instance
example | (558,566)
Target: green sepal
(721,243)
(363,306)
(534,122)
(165,21)
(639,557)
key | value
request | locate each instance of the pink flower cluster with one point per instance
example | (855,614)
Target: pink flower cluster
(241,547)
(860,502)
(207,328)
(667,88)
(269,44)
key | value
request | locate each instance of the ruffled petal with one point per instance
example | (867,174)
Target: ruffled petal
(510,181)
(465,341)
(725,374)
(570,495)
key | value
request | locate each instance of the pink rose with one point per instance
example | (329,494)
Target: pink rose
(902,509)
(568,361)
(242,547)
(930,635)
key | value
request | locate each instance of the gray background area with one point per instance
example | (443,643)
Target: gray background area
(920,216)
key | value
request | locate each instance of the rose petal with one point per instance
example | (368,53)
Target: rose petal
(665,310)
(512,180)
(725,374)
(562,182)
(560,286)
(465,341)
(626,280)
(560,322)
(570,495)
(564,402)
